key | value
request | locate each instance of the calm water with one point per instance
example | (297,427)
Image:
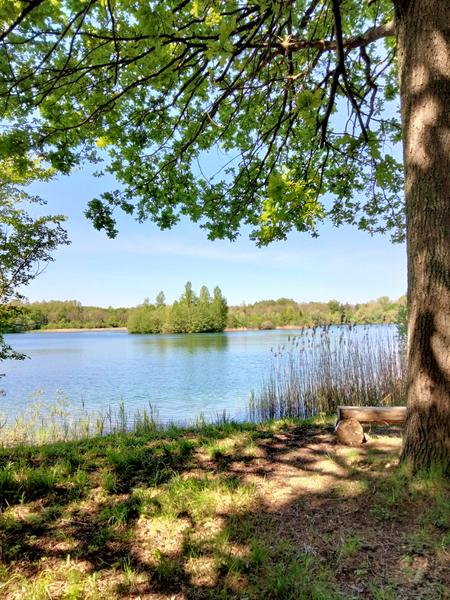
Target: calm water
(183,375)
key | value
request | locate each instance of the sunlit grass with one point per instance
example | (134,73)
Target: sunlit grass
(194,512)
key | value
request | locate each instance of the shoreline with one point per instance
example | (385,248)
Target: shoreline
(279,327)
(124,329)
(76,330)
(226,330)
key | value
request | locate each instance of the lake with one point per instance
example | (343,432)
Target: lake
(182,375)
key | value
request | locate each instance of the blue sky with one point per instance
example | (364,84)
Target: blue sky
(343,263)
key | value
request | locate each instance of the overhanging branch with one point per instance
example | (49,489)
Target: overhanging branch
(371,35)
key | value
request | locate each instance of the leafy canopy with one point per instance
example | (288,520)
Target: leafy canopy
(160,91)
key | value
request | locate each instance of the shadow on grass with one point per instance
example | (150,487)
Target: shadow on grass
(251,514)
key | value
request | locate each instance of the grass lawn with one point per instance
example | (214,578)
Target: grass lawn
(274,511)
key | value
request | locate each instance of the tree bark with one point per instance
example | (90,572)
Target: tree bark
(423,37)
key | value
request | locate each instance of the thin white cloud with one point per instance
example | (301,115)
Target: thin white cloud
(167,245)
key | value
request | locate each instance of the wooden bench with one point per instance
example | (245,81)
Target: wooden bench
(349,428)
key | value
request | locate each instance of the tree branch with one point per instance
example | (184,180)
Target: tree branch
(371,35)
(31,6)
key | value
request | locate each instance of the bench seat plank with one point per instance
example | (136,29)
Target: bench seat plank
(394,415)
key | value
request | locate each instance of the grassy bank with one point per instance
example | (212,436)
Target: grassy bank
(274,511)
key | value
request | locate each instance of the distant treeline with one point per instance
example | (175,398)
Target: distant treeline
(192,313)
(62,314)
(268,314)
(189,314)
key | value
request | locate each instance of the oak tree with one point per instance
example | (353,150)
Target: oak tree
(299,100)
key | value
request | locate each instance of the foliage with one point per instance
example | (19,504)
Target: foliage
(27,244)
(264,314)
(190,314)
(267,314)
(402,325)
(60,314)
(152,87)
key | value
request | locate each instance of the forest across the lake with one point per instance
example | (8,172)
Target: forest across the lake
(194,313)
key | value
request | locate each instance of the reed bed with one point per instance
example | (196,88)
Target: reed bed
(326,366)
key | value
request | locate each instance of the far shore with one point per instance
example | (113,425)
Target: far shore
(124,329)
(270,329)
(76,329)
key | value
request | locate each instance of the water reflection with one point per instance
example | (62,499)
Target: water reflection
(191,343)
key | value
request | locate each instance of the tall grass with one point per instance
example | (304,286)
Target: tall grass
(58,421)
(46,422)
(323,367)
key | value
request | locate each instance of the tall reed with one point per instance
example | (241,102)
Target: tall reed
(323,367)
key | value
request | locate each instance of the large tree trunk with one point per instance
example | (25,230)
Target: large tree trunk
(423,38)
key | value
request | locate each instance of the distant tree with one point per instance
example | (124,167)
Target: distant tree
(147,318)
(219,310)
(70,313)
(204,295)
(383,300)
(134,322)
(334,306)
(187,306)
(204,320)
(160,299)
(188,298)
(179,320)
